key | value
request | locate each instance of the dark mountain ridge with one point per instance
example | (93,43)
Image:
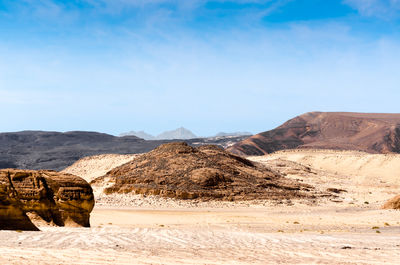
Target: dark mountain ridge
(56,150)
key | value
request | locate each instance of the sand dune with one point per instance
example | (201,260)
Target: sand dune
(384,168)
(92,167)
(367,178)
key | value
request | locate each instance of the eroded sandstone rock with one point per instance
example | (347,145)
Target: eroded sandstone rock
(61,199)
(393,203)
(12,217)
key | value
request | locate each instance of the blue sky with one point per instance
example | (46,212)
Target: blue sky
(154,65)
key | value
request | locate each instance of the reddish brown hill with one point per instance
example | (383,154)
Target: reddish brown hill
(369,132)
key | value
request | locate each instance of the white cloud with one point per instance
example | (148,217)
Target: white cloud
(143,9)
(383,9)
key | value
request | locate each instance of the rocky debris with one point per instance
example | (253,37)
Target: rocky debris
(12,217)
(335,190)
(286,167)
(368,132)
(60,199)
(393,203)
(177,170)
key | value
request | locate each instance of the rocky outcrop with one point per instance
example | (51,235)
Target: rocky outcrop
(12,216)
(368,132)
(178,170)
(393,203)
(61,199)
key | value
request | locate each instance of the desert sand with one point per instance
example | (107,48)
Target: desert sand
(92,167)
(136,229)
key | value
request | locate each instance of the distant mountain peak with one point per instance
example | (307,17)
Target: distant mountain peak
(179,133)
(140,134)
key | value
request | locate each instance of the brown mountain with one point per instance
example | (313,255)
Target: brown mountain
(178,170)
(368,132)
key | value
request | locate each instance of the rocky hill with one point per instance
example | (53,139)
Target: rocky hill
(178,170)
(368,132)
(56,151)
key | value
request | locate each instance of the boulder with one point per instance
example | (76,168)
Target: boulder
(60,199)
(12,217)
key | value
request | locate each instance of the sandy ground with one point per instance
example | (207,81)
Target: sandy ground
(291,235)
(367,178)
(133,229)
(384,168)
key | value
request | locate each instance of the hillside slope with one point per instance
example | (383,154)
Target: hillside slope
(368,132)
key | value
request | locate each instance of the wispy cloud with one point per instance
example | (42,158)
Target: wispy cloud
(137,11)
(382,9)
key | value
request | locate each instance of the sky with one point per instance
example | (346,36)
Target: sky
(243,65)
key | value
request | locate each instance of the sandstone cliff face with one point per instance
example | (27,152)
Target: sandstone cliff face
(12,217)
(368,132)
(61,199)
(180,171)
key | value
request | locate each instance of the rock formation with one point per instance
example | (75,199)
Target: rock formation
(12,217)
(393,203)
(178,170)
(368,132)
(61,199)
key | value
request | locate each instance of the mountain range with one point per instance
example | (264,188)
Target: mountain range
(178,134)
(58,150)
(368,132)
